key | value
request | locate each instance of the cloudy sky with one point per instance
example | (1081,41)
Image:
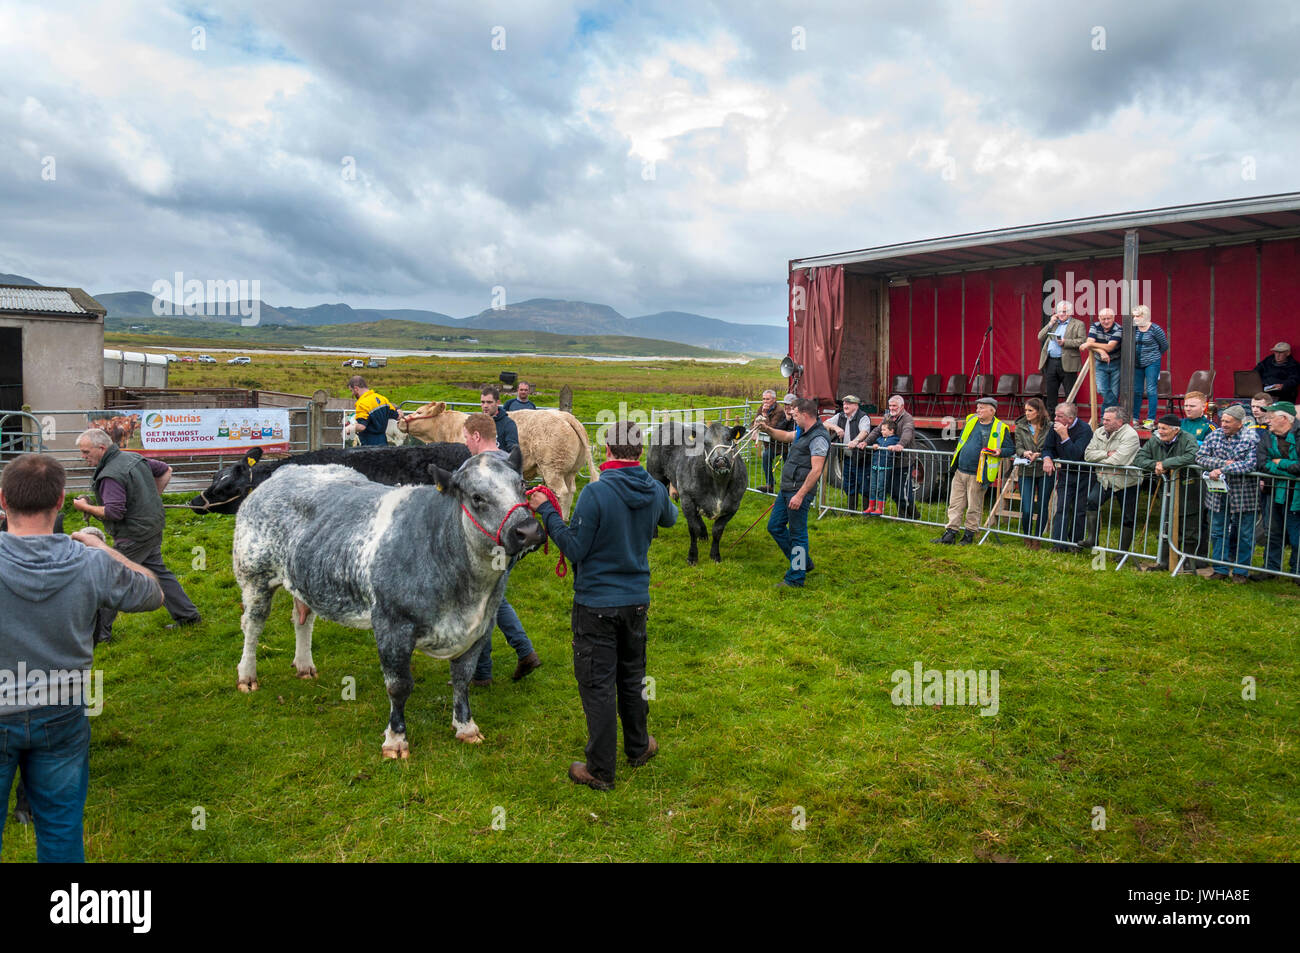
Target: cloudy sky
(656,156)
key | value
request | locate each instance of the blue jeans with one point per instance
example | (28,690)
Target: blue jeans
(52,746)
(880,480)
(1232,539)
(790,530)
(1146,380)
(1108,380)
(1035,492)
(510,626)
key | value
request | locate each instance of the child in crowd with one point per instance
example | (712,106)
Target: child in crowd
(882,465)
(1196,423)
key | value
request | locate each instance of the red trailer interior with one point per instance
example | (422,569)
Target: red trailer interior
(1222,279)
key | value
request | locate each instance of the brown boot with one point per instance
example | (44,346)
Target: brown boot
(526,664)
(579,774)
(651,750)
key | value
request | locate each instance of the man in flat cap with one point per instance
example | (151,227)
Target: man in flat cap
(974,465)
(1280,373)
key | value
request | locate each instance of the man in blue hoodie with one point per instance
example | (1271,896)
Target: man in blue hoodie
(51,590)
(608,541)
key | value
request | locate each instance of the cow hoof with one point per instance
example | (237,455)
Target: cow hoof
(715,557)
(469,734)
(395,745)
(247,685)
(308,672)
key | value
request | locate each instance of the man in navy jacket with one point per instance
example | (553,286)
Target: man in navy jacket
(608,541)
(1066,442)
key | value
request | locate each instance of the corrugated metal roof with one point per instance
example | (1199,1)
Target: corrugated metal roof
(1208,223)
(38,300)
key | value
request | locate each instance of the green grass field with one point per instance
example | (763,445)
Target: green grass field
(1117,690)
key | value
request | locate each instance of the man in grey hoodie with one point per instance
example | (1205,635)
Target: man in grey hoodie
(51,590)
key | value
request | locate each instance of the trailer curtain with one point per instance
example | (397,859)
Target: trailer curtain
(817,329)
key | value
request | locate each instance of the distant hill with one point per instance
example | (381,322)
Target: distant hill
(710,332)
(19,280)
(582,317)
(536,315)
(187,333)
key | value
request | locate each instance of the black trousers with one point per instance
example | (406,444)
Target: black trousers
(1099,495)
(609,662)
(1071,508)
(1053,376)
(149,555)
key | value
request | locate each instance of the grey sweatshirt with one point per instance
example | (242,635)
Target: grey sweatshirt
(50,589)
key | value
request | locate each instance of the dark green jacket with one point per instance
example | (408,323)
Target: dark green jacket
(1179,457)
(145,517)
(1286,449)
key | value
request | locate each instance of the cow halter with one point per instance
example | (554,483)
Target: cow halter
(495,537)
(561,568)
(731,450)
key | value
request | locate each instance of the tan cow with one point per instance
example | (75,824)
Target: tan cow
(554,444)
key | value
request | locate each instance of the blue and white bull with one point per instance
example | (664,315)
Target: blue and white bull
(424,569)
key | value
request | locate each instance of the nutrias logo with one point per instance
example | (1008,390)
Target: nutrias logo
(154,420)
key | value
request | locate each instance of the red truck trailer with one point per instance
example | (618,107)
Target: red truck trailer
(1221,278)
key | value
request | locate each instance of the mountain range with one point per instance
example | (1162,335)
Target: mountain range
(537,314)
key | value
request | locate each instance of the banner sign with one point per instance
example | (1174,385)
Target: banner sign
(214,430)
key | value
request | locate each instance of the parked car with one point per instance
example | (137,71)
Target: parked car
(240,360)
(354,362)
(207,359)
(377,362)
(171,358)
(188,359)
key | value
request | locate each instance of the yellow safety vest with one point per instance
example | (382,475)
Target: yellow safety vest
(989,458)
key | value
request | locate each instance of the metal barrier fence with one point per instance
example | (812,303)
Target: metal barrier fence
(1240,526)
(1080,507)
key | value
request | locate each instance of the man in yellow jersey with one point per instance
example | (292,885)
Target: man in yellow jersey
(374,411)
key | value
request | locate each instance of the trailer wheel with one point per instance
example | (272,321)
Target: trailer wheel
(927,476)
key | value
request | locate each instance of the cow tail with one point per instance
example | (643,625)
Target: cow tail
(586,445)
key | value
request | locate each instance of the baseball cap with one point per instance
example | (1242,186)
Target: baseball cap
(1281,346)
(1285,406)
(789,399)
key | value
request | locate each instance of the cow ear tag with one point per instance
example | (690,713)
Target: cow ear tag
(251,461)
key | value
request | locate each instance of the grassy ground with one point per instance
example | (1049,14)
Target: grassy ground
(1117,690)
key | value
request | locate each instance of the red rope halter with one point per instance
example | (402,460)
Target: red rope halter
(561,568)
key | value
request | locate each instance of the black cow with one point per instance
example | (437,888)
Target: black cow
(701,465)
(392,466)
(424,569)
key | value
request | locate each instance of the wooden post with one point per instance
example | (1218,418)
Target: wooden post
(316,420)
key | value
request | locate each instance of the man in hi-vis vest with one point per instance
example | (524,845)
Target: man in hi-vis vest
(984,441)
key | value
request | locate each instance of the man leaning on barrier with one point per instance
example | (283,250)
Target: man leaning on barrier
(777,416)
(1278,455)
(1067,442)
(1228,456)
(51,589)
(974,465)
(1115,443)
(1170,453)
(851,426)
(900,481)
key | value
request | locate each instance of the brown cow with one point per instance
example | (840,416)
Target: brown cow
(120,428)
(554,444)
